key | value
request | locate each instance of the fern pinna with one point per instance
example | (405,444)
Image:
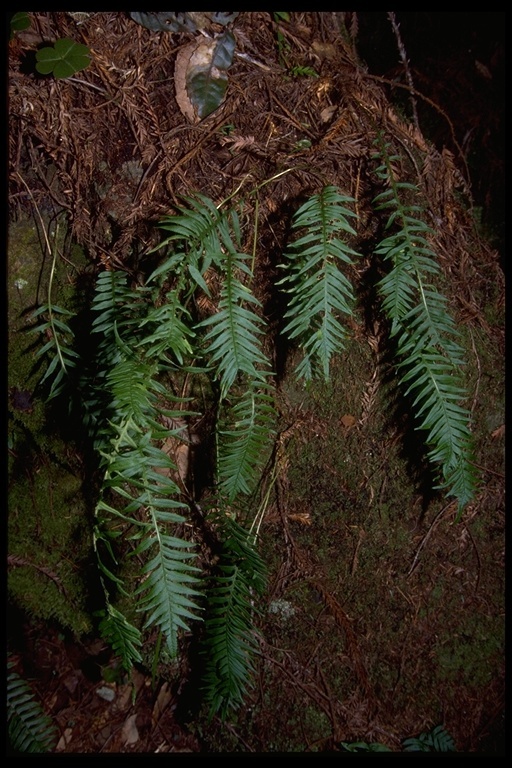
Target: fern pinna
(318,288)
(425,333)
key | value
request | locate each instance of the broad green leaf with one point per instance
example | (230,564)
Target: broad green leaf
(207,80)
(64,59)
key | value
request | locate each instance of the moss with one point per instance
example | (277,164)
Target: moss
(49,526)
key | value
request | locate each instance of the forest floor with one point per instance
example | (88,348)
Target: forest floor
(384,615)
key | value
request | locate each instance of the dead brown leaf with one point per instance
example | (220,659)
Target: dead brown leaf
(237,142)
(130,731)
(348,421)
(163,699)
(499,432)
(181,67)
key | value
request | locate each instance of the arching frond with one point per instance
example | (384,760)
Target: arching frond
(231,640)
(244,441)
(319,290)
(426,336)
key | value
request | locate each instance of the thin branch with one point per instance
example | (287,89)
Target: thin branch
(401,49)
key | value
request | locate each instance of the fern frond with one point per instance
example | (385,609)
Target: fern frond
(233,341)
(166,332)
(124,638)
(319,290)
(196,230)
(139,500)
(58,347)
(231,641)
(437,740)
(244,441)
(168,590)
(426,336)
(29,728)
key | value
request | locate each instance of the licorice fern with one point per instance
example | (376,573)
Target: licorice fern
(231,343)
(138,494)
(233,340)
(244,439)
(425,333)
(54,326)
(319,290)
(29,728)
(231,641)
(144,335)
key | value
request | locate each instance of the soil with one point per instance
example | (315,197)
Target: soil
(384,614)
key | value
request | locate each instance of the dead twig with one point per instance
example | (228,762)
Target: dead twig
(435,521)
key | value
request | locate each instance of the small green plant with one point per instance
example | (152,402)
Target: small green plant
(63,59)
(437,740)
(300,71)
(29,728)
(19,22)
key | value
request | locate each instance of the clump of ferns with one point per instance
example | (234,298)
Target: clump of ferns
(149,334)
(145,337)
(426,338)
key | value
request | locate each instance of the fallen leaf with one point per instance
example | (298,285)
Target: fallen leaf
(130,732)
(180,81)
(200,75)
(327,113)
(348,421)
(64,740)
(500,432)
(163,699)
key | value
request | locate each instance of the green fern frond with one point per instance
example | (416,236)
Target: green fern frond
(244,441)
(124,638)
(426,335)
(196,229)
(139,500)
(29,728)
(169,588)
(231,640)
(166,332)
(233,341)
(145,503)
(319,290)
(63,357)
(437,740)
